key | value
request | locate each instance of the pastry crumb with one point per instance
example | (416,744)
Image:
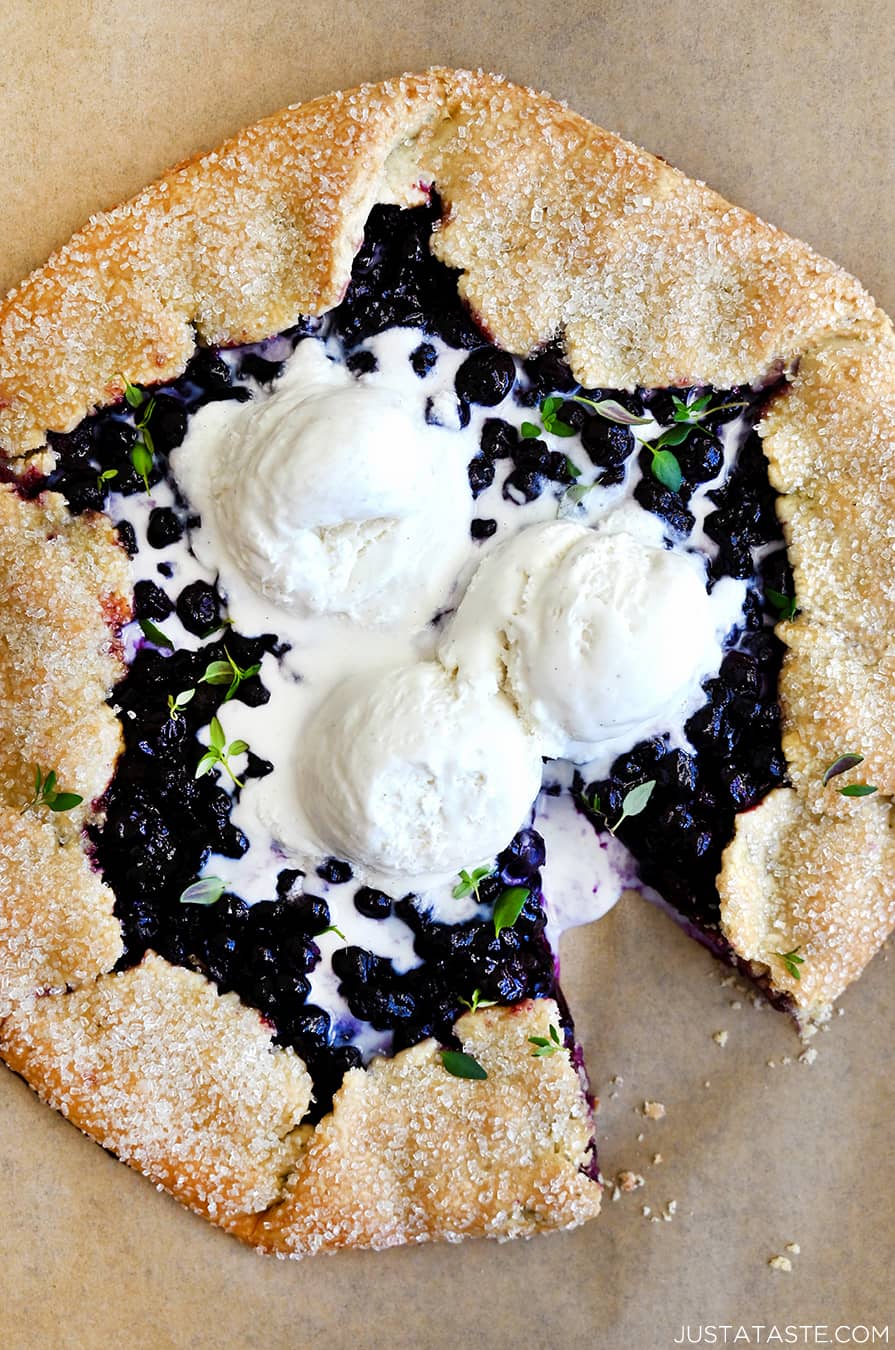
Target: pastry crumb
(657,1158)
(653,1110)
(629,1181)
(645,1211)
(808,1056)
(641,1136)
(793,1248)
(720,1038)
(780,1263)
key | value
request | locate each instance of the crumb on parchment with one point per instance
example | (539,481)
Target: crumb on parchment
(653,1110)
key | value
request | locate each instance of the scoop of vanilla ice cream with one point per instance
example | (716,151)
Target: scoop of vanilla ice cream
(333,497)
(412,775)
(591,635)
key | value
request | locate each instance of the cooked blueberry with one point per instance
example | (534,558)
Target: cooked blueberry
(483,529)
(575,415)
(164,527)
(523,485)
(311,912)
(208,369)
(74,448)
(355,966)
(608,445)
(167,423)
(259,368)
(498,439)
(198,608)
(740,671)
(423,358)
(653,496)
(362,362)
(256,767)
(127,537)
(548,373)
(526,850)
(311,1026)
(114,441)
(150,601)
(481,474)
(700,457)
(485,377)
(287,881)
(557,467)
(83,492)
(372,904)
(334,871)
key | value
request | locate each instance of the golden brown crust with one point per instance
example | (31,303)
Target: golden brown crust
(179,1081)
(185,1085)
(411,1154)
(64,580)
(558,228)
(816,884)
(65,584)
(57,929)
(810,868)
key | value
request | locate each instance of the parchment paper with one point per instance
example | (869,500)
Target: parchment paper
(788,109)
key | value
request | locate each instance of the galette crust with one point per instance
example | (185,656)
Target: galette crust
(185,1085)
(179,1081)
(558,229)
(411,1153)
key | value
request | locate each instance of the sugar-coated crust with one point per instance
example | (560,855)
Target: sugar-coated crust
(181,1082)
(411,1153)
(810,869)
(185,1085)
(63,581)
(558,229)
(557,226)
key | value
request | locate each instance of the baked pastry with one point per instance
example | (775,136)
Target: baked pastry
(618,282)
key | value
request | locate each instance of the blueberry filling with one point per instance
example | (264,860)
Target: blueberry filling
(162,823)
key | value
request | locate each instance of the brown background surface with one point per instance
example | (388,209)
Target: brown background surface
(786,108)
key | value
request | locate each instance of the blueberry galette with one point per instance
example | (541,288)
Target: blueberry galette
(421,520)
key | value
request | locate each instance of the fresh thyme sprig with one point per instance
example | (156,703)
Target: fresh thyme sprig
(177,702)
(665,465)
(228,672)
(143,449)
(845,762)
(508,907)
(46,793)
(634,802)
(219,753)
(849,759)
(155,635)
(547,1045)
(785,605)
(553,424)
(461,1065)
(205,891)
(792,961)
(470,882)
(476,1002)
